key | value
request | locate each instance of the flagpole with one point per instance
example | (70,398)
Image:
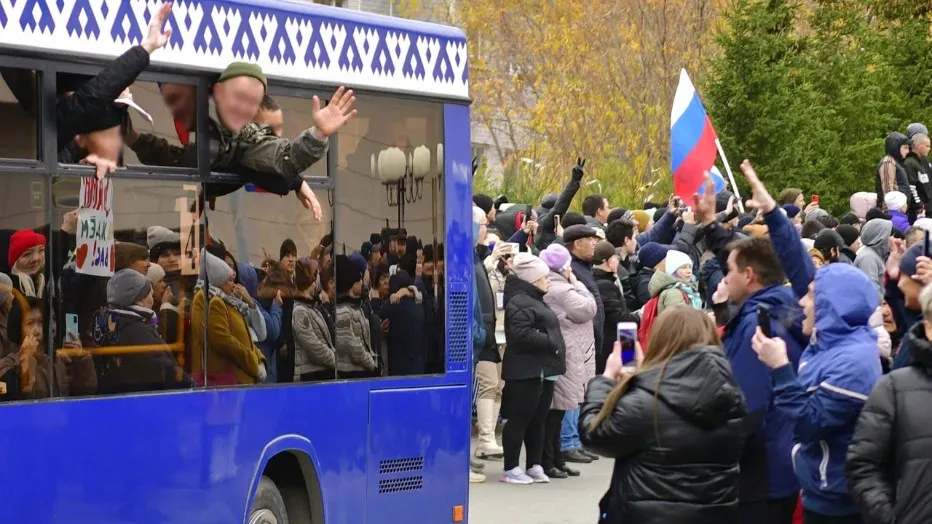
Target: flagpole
(731,177)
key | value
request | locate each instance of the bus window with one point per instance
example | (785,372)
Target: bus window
(173,110)
(25,366)
(273,113)
(389,211)
(127,275)
(270,319)
(18,110)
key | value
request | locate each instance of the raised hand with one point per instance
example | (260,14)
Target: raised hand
(760,198)
(309,200)
(704,204)
(103,166)
(770,351)
(579,169)
(339,111)
(157,38)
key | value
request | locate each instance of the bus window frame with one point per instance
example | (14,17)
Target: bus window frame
(18,165)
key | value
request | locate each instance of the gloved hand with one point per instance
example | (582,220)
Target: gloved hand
(262,372)
(580,169)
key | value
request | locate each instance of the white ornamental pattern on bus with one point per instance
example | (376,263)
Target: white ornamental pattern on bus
(306,44)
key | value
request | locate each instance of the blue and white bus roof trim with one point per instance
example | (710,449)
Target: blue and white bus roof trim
(290,39)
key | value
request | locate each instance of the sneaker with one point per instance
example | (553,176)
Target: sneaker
(537,474)
(555,473)
(588,453)
(476,465)
(575,456)
(568,470)
(516,476)
(489,452)
(476,478)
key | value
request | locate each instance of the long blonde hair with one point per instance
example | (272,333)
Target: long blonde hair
(675,331)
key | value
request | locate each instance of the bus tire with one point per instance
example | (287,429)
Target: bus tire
(268,507)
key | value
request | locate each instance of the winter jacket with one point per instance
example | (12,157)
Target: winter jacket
(891,451)
(899,219)
(594,223)
(871,258)
(663,284)
(627,269)
(78,114)
(641,283)
(230,349)
(131,372)
(766,467)
(583,272)
(836,374)
(616,310)
(488,351)
(497,283)
(891,176)
(314,350)
(354,351)
(273,314)
(254,153)
(676,437)
(575,309)
(532,334)
(918,171)
(406,355)
(662,231)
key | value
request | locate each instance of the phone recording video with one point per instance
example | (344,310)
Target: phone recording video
(763,320)
(627,336)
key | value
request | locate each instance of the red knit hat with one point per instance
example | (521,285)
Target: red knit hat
(21,241)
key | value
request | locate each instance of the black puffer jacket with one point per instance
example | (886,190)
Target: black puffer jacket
(889,463)
(676,439)
(532,334)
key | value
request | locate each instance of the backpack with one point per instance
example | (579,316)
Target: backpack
(649,314)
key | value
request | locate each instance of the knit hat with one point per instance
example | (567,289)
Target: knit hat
(652,254)
(619,212)
(556,257)
(6,287)
(916,129)
(236,69)
(128,253)
(909,260)
(155,274)
(214,269)
(876,212)
(288,248)
(529,268)
(574,233)
(744,220)
(816,214)
(861,202)
(360,262)
(376,240)
(156,235)
(483,202)
(127,287)
(658,213)
(675,260)
(22,241)
(642,218)
(895,201)
(924,223)
(548,201)
(849,234)
(828,239)
(791,210)
(348,274)
(604,250)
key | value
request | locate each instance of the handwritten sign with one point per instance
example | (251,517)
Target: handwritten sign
(96,253)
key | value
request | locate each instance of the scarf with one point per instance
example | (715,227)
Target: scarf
(28,286)
(234,302)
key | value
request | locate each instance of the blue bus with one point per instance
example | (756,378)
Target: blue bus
(84,437)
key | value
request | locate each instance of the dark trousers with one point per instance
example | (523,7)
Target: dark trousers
(552,426)
(528,404)
(777,511)
(811,517)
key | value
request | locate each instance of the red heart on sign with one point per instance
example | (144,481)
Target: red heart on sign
(82,255)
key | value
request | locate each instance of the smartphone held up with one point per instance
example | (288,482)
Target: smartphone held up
(627,338)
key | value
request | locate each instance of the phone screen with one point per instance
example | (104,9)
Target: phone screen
(763,320)
(627,336)
(71,327)
(927,249)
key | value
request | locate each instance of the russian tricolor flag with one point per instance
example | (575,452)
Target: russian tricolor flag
(692,140)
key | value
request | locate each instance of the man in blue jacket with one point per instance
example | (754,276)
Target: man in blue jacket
(756,271)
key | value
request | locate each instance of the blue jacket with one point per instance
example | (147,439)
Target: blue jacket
(837,372)
(766,467)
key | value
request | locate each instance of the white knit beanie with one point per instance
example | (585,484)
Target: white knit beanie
(529,268)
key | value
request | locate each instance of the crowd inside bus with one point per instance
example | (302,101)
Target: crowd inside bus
(315,313)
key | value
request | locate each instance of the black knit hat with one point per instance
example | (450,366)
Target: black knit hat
(288,248)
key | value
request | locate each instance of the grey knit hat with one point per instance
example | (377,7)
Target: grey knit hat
(6,288)
(127,287)
(215,270)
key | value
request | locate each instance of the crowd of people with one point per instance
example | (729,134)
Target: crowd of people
(783,353)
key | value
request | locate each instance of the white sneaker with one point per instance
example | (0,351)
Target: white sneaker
(537,475)
(516,476)
(489,451)
(476,478)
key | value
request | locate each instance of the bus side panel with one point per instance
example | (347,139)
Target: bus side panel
(176,458)
(418,454)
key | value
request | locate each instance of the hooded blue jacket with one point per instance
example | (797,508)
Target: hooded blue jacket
(766,467)
(837,372)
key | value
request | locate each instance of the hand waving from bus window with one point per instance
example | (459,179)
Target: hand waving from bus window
(309,200)
(330,119)
(157,38)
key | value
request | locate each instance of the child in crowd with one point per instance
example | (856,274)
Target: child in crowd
(680,266)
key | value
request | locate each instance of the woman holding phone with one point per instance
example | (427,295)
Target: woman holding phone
(673,427)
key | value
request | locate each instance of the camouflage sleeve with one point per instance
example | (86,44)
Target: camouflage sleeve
(270,154)
(155,151)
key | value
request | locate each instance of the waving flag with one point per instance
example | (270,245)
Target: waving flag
(692,139)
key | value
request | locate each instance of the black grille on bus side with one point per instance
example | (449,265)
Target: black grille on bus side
(401,484)
(401,465)
(459,330)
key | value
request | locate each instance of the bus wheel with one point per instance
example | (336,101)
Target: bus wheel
(268,507)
